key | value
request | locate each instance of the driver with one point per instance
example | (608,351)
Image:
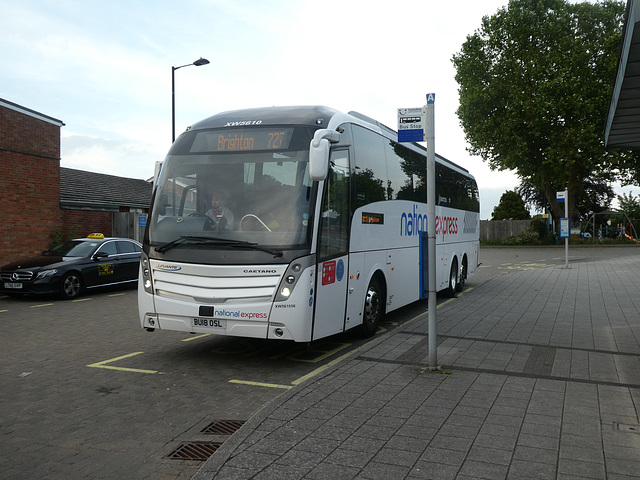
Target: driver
(221,215)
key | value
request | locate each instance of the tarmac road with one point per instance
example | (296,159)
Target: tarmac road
(86,393)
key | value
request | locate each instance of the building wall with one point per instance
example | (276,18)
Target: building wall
(29,184)
(80,223)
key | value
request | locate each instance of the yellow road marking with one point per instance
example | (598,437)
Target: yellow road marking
(82,300)
(104,363)
(42,305)
(196,337)
(297,356)
(116,294)
(259,384)
(324,367)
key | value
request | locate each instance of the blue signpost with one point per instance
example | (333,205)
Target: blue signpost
(565,223)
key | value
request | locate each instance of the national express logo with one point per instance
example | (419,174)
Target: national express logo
(414,223)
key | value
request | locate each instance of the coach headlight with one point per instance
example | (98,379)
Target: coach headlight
(145,268)
(291,276)
(285,292)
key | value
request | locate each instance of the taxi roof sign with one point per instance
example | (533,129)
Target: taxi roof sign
(96,235)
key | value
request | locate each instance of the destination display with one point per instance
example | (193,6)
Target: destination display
(242,140)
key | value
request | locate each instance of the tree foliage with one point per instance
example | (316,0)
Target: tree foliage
(534,84)
(510,207)
(596,196)
(630,205)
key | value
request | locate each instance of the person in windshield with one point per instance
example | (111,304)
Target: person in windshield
(221,215)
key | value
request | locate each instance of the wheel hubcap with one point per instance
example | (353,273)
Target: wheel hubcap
(71,286)
(372,306)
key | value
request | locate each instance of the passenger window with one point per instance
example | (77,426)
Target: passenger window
(126,247)
(109,248)
(370,167)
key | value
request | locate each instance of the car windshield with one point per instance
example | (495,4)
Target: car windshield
(263,197)
(73,248)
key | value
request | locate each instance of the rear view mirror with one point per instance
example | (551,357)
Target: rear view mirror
(319,153)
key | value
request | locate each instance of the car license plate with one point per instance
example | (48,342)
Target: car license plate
(12,285)
(209,323)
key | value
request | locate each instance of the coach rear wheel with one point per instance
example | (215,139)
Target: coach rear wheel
(373,308)
(463,275)
(452,288)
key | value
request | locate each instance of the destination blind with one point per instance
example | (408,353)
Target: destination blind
(244,140)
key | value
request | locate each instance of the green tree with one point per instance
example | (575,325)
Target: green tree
(630,205)
(597,195)
(510,207)
(534,84)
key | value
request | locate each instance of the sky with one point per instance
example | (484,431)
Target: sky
(104,69)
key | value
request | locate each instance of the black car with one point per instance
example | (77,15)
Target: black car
(72,266)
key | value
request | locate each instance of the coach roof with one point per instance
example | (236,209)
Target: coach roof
(308,115)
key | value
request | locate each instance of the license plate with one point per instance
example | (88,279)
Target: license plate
(12,285)
(209,323)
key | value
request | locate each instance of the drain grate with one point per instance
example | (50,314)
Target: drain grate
(222,427)
(199,451)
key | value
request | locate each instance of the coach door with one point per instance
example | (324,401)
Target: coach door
(333,249)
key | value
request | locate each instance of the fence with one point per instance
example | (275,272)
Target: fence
(129,225)
(500,230)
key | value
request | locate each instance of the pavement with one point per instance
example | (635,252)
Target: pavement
(539,378)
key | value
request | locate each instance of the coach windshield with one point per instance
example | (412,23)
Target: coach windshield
(226,189)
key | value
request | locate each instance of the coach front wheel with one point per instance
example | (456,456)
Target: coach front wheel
(373,308)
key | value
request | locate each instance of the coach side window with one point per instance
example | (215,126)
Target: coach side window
(371,167)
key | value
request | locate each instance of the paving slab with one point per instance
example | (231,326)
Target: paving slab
(539,377)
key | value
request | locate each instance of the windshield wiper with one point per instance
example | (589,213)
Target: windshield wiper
(215,241)
(255,246)
(181,239)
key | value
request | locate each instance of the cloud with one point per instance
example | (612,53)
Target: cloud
(114,157)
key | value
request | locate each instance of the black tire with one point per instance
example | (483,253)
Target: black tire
(452,288)
(373,311)
(71,285)
(463,276)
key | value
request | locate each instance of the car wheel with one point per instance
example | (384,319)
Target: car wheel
(373,308)
(71,285)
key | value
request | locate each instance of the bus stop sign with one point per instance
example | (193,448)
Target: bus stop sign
(411,124)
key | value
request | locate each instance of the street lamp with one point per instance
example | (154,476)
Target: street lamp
(197,63)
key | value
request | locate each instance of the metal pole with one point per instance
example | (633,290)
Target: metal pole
(431,228)
(198,63)
(566,214)
(173,104)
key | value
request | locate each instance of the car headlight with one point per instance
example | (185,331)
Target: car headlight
(46,273)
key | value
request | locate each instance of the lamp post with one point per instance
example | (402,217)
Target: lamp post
(197,63)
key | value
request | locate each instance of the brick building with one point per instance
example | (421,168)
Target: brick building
(29,180)
(40,202)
